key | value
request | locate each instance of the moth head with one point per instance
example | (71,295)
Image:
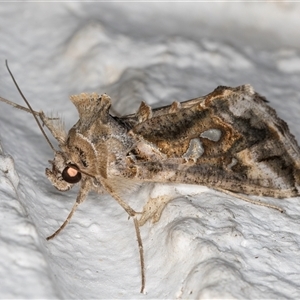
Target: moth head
(64,174)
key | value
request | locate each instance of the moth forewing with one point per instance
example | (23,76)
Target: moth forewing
(230,139)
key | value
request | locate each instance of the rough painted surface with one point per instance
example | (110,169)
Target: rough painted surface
(207,245)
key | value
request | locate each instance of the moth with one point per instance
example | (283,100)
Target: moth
(229,140)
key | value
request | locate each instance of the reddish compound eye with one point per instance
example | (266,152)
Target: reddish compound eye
(71,174)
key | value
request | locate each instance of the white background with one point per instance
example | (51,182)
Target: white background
(207,244)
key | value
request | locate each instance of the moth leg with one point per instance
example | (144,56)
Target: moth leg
(244,198)
(154,208)
(57,134)
(56,131)
(15,105)
(131,212)
(141,251)
(84,190)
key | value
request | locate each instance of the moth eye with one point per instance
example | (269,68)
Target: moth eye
(71,174)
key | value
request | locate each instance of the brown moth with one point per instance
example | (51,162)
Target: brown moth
(229,140)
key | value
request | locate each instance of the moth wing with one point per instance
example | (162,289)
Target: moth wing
(230,138)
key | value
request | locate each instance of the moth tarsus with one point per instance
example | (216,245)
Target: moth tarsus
(255,202)
(65,223)
(141,252)
(229,140)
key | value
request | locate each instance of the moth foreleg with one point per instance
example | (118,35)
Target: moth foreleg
(15,105)
(85,188)
(57,131)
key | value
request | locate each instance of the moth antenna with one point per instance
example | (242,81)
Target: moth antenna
(29,106)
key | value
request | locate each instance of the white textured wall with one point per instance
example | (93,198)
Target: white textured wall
(207,245)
